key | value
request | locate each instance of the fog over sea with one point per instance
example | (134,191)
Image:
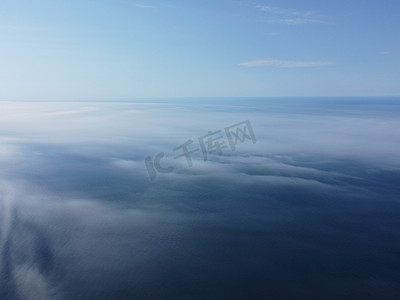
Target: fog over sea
(304,203)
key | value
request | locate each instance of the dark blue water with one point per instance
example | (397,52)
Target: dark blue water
(309,211)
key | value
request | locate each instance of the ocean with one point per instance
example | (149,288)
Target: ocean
(226,198)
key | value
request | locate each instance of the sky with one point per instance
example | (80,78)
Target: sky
(124,49)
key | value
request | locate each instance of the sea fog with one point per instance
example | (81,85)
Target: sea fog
(305,205)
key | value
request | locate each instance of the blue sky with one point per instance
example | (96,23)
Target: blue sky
(124,49)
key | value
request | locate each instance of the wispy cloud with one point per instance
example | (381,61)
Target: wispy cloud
(287,16)
(284,63)
(138,5)
(143,5)
(386,52)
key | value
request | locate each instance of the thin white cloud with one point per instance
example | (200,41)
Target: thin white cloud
(138,5)
(386,52)
(287,16)
(284,63)
(143,5)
